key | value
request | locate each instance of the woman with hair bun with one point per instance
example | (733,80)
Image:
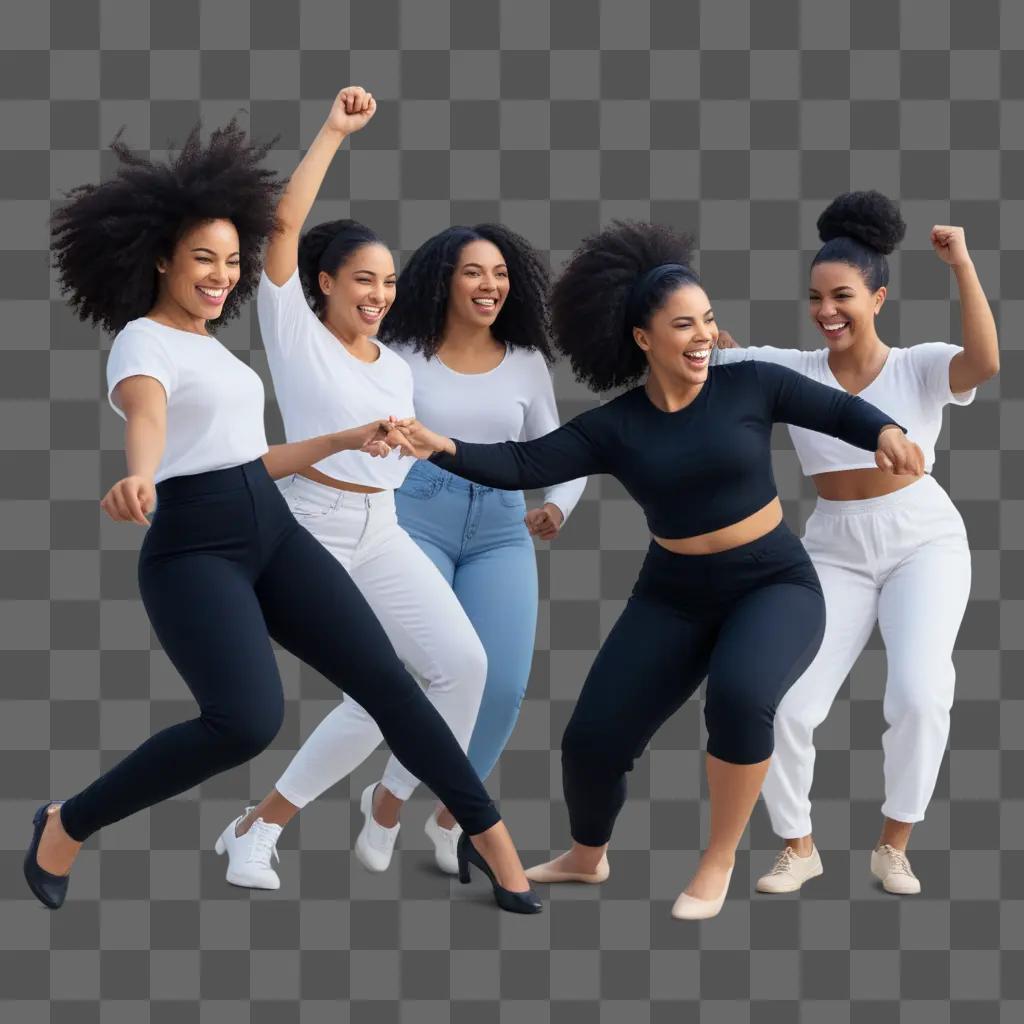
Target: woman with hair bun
(470,319)
(330,373)
(726,590)
(891,550)
(159,253)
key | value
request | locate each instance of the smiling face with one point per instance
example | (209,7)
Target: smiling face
(842,306)
(680,335)
(479,285)
(202,269)
(361,291)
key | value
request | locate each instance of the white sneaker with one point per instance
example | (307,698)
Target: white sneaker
(790,871)
(249,854)
(892,867)
(445,841)
(375,843)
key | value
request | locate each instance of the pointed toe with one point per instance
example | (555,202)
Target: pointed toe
(50,890)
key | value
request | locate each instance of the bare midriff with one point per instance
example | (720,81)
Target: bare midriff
(859,484)
(763,521)
(342,485)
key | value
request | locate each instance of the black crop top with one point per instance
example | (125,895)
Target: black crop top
(693,471)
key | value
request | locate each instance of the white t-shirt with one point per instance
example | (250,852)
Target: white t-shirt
(214,400)
(513,402)
(912,387)
(322,388)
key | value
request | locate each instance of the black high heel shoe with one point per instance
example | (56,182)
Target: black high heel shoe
(49,889)
(515,902)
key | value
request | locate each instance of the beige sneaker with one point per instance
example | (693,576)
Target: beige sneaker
(892,867)
(790,871)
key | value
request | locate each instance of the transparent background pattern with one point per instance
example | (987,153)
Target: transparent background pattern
(736,120)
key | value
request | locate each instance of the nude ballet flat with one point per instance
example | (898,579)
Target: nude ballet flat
(546,873)
(689,908)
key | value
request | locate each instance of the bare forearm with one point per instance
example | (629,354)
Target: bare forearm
(304,184)
(285,459)
(144,441)
(978,325)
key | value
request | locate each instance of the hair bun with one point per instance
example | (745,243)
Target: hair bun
(868,217)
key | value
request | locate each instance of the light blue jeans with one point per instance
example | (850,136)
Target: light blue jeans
(476,536)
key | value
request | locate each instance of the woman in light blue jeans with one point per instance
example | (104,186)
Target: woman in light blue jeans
(469,319)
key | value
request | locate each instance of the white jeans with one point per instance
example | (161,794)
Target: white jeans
(902,559)
(421,616)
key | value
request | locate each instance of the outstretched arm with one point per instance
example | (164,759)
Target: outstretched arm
(566,453)
(285,459)
(353,107)
(803,402)
(979,359)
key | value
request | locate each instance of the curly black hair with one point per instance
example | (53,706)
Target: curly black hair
(107,238)
(861,229)
(421,303)
(603,293)
(326,247)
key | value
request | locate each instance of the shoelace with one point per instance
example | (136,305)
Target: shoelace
(783,862)
(263,847)
(380,836)
(898,863)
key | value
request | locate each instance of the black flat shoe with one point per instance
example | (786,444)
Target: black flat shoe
(49,889)
(515,902)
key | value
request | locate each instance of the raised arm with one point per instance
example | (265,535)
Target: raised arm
(352,109)
(979,359)
(566,453)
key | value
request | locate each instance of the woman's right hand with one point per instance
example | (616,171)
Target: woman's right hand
(130,499)
(412,438)
(353,107)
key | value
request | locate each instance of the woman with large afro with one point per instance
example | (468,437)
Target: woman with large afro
(726,590)
(161,254)
(891,550)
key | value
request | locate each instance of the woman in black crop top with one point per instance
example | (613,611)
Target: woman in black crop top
(726,590)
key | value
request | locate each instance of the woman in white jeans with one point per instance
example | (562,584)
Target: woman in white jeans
(327,368)
(886,548)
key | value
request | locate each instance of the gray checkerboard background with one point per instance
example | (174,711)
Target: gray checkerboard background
(735,119)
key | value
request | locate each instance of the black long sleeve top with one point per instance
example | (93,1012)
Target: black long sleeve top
(693,471)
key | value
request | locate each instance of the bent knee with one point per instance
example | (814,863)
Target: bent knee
(249,733)
(740,730)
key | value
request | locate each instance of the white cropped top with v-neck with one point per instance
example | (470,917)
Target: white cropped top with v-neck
(912,387)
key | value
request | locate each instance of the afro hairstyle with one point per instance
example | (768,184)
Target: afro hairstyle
(861,229)
(107,238)
(594,297)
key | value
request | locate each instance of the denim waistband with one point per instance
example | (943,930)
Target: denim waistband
(446,478)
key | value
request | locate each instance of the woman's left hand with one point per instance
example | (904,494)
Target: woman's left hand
(950,245)
(544,522)
(897,454)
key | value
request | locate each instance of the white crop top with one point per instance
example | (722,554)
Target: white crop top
(912,387)
(322,388)
(214,400)
(513,402)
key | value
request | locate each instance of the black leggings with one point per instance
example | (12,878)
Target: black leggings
(751,619)
(223,568)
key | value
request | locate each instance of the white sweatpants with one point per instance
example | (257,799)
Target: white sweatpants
(421,616)
(902,559)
